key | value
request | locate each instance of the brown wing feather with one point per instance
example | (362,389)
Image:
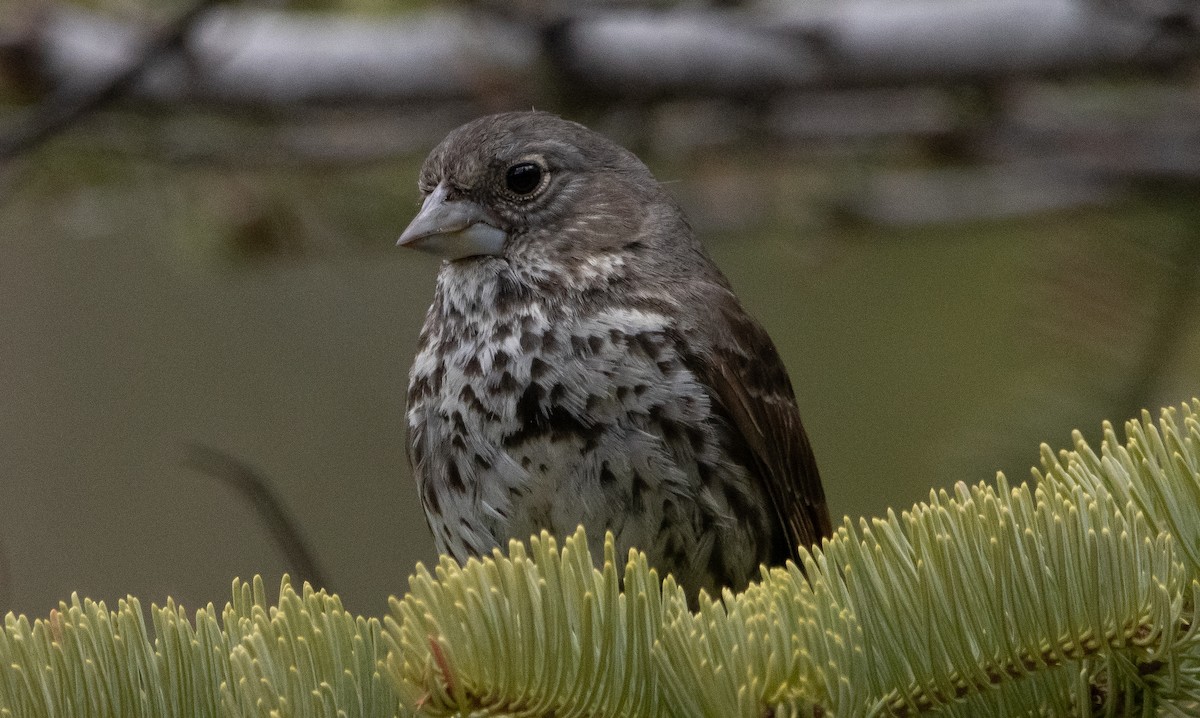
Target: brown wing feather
(751,386)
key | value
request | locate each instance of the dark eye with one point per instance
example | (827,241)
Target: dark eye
(523,178)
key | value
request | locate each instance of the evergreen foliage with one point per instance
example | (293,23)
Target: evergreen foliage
(1074,595)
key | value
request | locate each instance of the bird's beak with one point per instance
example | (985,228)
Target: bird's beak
(453,229)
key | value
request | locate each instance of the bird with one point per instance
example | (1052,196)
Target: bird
(584,362)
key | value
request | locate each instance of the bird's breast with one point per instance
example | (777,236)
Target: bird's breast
(547,418)
(511,414)
(536,372)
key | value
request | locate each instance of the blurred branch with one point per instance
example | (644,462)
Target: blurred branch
(310,139)
(1166,338)
(258,57)
(958,194)
(267,505)
(262,57)
(73,99)
(6,579)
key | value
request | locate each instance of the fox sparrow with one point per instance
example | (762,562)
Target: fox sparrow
(584,362)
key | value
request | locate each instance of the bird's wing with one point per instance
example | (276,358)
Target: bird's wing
(750,385)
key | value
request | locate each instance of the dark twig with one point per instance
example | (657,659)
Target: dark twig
(1166,335)
(67,105)
(269,507)
(6,577)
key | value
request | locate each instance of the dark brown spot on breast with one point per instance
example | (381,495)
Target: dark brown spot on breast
(529,405)
(431,499)
(637,498)
(475,404)
(676,554)
(708,521)
(418,389)
(554,422)
(650,343)
(671,429)
(454,478)
(718,569)
(509,291)
(607,477)
(507,384)
(739,503)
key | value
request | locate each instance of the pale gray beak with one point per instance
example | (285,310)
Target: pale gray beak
(454,229)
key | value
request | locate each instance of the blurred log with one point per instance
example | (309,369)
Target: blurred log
(241,56)
(933,196)
(247,56)
(868,113)
(885,41)
(869,42)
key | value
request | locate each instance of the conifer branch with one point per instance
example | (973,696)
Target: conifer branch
(1075,595)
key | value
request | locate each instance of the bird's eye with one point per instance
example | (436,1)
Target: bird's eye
(523,178)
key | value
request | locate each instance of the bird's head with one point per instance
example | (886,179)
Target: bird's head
(530,188)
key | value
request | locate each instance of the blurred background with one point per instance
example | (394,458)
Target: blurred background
(971,226)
